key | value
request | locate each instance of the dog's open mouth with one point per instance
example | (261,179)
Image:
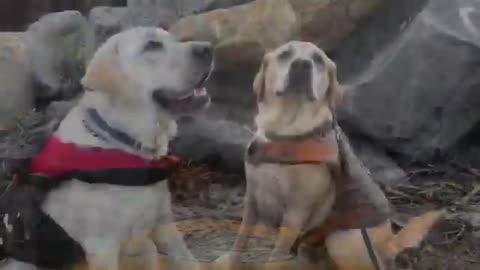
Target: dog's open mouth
(190,97)
(190,100)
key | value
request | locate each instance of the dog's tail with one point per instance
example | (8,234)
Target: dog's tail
(413,233)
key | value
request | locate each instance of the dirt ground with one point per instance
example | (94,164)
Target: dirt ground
(209,211)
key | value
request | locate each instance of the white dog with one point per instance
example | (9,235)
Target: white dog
(136,83)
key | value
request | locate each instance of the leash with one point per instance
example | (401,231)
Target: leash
(369,246)
(15,180)
(10,185)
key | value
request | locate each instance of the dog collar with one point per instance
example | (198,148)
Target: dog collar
(319,132)
(312,151)
(112,132)
(59,160)
(317,146)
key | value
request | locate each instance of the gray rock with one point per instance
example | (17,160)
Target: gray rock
(384,170)
(104,23)
(56,48)
(165,12)
(57,110)
(467,153)
(377,33)
(252,29)
(17,15)
(16,87)
(160,13)
(219,143)
(422,95)
(190,7)
(29,135)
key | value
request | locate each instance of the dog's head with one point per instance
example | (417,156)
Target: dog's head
(295,80)
(147,66)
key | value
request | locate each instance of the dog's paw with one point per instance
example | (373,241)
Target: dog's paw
(183,259)
(228,261)
(281,257)
(183,263)
(190,266)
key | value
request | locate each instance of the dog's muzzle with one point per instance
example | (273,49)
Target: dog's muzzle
(300,79)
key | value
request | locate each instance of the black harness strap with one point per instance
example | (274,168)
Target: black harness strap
(371,252)
(123,177)
(29,234)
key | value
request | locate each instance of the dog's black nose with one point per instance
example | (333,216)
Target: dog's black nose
(300,78)
(300,72)
(301,66)
(202,51)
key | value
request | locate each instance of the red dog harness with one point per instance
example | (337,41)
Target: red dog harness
(59,160)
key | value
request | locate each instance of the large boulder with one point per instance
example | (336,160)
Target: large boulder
(152,12)
(377,34)
(218,143)
(164,13)
(190,7)
(17,15)
(421,95)
(248,30)
(26,139)
(16,85)
(104,23)
(384,170)
(57,49)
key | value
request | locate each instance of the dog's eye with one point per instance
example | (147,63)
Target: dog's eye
(317,58)
(153,45)
(285,55)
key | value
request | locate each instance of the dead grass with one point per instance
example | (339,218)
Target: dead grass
(454,242)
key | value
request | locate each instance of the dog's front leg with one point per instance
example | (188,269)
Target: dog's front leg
(167,237)
(292,225)
(249,221)
(144,248)
(107,260)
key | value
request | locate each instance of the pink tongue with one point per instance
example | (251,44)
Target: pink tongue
(186,99)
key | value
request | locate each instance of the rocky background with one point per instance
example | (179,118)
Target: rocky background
(410,71)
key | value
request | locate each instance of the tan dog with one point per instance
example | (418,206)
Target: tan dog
(137,83)
(298,169)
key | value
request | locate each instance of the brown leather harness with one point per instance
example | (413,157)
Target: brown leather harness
(322,146)
(318,146)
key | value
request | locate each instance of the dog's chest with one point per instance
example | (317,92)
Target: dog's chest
(89,212)
(278,187)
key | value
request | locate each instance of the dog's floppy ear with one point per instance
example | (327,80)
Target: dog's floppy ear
(103,72)
(333,95)
(259,82)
